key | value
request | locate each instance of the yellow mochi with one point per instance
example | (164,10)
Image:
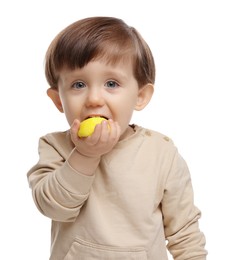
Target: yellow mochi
(87,126)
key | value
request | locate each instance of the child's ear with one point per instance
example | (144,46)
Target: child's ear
(54,96)
(144,96)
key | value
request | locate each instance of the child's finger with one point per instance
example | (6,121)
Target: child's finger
(74,129)
(105,131)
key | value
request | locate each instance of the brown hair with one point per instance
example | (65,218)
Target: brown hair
(95,38)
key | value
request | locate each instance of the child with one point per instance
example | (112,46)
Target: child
(124,191)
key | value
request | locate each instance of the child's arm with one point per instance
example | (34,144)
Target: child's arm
(185,241)
(61,185)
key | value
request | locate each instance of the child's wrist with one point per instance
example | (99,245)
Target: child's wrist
(87,155)
(84,164)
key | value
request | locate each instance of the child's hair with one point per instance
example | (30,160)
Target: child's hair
(96,38)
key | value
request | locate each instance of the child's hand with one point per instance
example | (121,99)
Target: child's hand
(100,142)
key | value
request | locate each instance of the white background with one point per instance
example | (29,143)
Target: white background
(189,42)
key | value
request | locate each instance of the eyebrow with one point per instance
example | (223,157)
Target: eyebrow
(115,73)
(71,74)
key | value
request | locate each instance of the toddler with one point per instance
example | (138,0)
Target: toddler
(124,192)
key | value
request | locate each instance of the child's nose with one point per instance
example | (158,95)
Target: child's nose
(95,98)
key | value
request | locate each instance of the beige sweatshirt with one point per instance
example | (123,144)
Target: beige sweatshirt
(139,198)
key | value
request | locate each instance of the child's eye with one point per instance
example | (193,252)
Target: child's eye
(111,84)
(78,85)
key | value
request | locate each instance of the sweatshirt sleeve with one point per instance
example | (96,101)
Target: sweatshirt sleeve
(185,241)
(58,190)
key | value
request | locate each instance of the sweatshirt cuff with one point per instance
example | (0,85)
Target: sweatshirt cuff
(74,181)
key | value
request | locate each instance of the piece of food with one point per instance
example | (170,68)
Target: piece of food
(88,125)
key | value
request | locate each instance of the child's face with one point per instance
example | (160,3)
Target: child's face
(99,89)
